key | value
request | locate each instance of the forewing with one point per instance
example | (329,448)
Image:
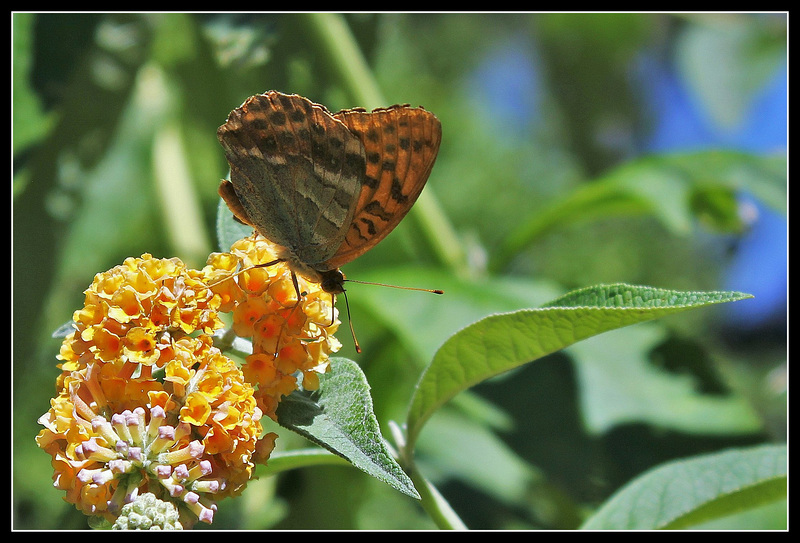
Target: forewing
(401,145)
(296,170)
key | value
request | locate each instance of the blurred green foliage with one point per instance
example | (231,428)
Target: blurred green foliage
(115,154)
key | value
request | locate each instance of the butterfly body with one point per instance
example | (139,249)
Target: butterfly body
(325,187)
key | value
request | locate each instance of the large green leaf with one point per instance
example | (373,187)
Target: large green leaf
(339,417)
(502,342)
(619,384)
(686,493)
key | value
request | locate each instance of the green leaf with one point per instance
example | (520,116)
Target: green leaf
(685,493)
(339,417)
(619,384)
(450,434)
(673,188)
(502,342)
(30,121)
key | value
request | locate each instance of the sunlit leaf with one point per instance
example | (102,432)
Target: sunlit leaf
(502,342)
(339,418)
(685,493)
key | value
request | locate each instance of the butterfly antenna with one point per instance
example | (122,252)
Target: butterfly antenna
(432,291)
(350,321)
(347,304)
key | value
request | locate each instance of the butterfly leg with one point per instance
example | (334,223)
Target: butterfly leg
(300,295)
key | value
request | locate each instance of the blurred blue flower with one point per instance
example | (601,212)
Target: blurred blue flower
(506,84)
(760,263)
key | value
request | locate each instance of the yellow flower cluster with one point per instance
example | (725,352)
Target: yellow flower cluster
(132,312)
(190,437)
(291,326)
(148,404)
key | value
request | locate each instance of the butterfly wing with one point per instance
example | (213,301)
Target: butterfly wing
(296,171)
(401,144)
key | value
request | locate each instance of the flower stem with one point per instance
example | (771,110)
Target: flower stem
(435,505)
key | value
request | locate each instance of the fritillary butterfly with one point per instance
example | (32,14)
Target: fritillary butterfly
(326,187)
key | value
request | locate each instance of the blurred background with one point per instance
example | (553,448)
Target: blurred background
(577,149)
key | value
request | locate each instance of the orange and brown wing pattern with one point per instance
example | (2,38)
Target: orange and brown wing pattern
(401,144)
(296,173)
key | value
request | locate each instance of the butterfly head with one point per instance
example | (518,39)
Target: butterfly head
(332,281)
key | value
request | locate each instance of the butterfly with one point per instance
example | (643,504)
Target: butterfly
(325,187)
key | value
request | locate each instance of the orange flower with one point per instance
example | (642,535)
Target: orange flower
(148,404)
(291,334)
(135,310)
(190,439)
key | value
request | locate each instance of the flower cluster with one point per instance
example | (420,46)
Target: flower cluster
(148,404)
(291,321)
(190,438)
(132,313)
